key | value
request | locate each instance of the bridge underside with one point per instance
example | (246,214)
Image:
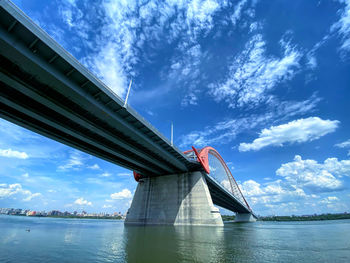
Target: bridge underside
(43,88)
(223,198)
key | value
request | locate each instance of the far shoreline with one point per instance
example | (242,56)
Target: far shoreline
(225,218)
(294,218)
(72,217)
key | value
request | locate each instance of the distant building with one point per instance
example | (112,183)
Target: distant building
(31,213)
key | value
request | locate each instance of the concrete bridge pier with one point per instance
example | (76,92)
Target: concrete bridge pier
(244,217)
(177,199)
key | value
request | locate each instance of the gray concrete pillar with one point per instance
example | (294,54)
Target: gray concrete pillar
(178,199)
(246,217)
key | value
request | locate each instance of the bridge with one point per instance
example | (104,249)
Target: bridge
(46,90)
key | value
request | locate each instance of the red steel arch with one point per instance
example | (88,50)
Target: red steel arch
(203,158)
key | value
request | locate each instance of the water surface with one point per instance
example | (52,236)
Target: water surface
(89,240)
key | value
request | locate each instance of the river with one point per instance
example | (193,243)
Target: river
(90,240)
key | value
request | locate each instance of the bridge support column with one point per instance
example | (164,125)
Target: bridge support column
(178,199)
(246,217)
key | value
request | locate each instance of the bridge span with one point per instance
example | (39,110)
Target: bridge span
(46,90)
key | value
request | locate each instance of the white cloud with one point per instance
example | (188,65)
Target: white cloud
(315,176)
(312,61)
(127,26)
(339,168)
(15,133)
(271,193)
(17,142)
(12,190)
(189,99)
(226,131)
(123,44)
(225,183)
(124,174)
(237,12)
(74,162)
(275,188)
(185,71)
(13,154)
(102,182)
(67,16)
(81,201)
(107,66)
(105,174)
(345,144)
(253,74)
(329,200)
(303,183)
(296,131)
(251,188)
(107,206)
(94,167)
(343,26)
(150,113)
(125,193)
(8,190)
(333,202)
(30,196)
(25,175)
(200,13)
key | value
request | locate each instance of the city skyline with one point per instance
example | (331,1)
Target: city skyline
(82,213)
(269,93)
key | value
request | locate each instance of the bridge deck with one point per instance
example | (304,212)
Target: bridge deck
(45,89)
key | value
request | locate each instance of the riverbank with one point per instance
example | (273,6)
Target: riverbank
(90,217)
(338,216)
(307,217)
(79,217)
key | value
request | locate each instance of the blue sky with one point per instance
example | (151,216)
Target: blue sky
(266,83)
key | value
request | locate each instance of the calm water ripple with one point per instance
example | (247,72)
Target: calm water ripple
(89,240)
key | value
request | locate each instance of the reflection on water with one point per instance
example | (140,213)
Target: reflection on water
(88,240)
(174,244)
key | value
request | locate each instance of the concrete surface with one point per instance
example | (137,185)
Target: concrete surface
(247,217)
(178,199)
